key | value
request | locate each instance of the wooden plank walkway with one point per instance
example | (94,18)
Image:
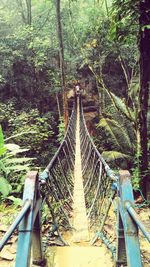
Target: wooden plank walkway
(80,222)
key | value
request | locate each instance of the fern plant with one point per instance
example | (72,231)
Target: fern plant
(119,147)
(12,167)
(123,142)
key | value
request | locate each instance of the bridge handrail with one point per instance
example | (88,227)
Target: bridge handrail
(20,216)
(45,174)
(108,170)
(128,220)
(130,208)
(59,174)
(128,223)
(28,220)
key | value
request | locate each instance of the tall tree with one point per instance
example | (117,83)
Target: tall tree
(29,14)
(144,43)
(22,10)
(128,16)
(25,11)
(61,57)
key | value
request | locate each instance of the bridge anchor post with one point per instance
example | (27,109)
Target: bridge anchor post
(121,258)
(29,228)
(37,253)
(128,228)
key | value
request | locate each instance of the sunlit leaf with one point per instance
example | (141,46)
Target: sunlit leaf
(18,168)
(1,138)
(19,134)
(114,155)
(16,201)
(18,160)
(4,187)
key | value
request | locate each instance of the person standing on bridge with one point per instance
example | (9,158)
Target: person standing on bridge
(77,88)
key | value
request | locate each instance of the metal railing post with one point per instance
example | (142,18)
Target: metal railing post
(121,258)
(23,256)
(130,228)
(37,252)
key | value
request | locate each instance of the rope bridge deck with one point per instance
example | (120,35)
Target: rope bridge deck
(81,192)
(80,219)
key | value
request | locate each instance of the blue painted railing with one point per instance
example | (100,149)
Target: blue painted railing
(22,213)
(29,221)
(128,247)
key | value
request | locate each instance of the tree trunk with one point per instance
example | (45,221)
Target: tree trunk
(22,11)
(29,14)
(58,106)
(61,57)
(144,47)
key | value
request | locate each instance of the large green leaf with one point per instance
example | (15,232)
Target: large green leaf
(2,167)
(4,187)
(118,134)
(106,123)
(16,201)
(18,168)
(2,150)
(123,107)
(18,160)
(1,138)
(114,155)
(16,151)
(19,134)
(12,147)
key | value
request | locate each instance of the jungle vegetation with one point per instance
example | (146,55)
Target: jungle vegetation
(44,46)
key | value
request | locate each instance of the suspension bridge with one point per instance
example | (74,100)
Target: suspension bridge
(82,193)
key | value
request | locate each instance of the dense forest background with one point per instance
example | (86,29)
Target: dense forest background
(45,47)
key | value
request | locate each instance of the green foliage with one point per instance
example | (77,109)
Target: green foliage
(5,187)
(1,138)
(122,148)
(117,133)
(116,128)
(61,129)
(114,155)
(16,201)
(124,15)
(121,138)
(136,178)
(38,131)
(123,107)
(136,174)
(12,168)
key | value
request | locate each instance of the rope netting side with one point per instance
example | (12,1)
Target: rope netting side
(98,186)
(58,190)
